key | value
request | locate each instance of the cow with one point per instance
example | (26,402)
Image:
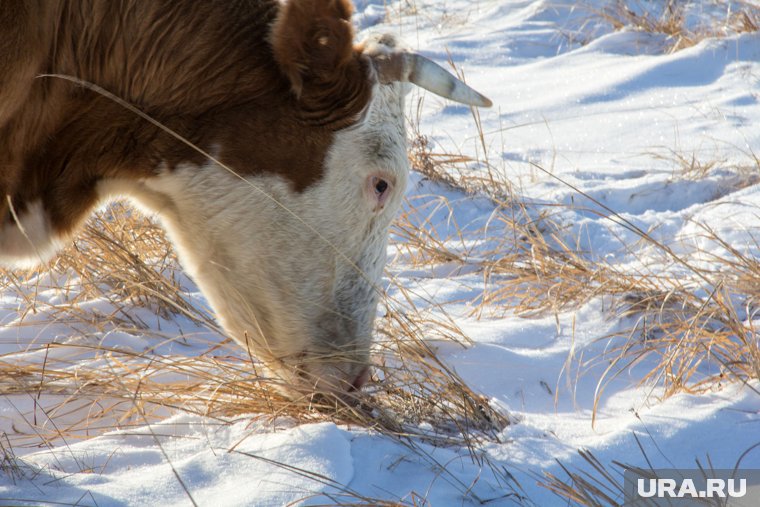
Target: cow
(271,147)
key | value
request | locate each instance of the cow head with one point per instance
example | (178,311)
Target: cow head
(294,273)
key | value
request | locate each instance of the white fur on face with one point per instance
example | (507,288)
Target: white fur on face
(294,275)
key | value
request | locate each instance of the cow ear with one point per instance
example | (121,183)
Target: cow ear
(312,41)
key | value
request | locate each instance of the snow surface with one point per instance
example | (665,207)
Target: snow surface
(603,111)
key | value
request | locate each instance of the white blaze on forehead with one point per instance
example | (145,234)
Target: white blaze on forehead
(28,241)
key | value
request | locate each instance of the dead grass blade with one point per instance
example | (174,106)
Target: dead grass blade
(597,487)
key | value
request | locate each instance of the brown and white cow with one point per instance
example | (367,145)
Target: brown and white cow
(289,248)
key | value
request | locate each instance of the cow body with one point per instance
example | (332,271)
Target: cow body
(285,228)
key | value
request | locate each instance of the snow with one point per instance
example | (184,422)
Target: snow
(605,113)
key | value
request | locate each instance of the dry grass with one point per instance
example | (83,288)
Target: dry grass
(686,321)
(746,20)
(690,323)
(690,166)
(125,258)
(82,388)
(121,257)
(596,484)
(431,12)
(682,321)
(690,315)
(671,18)
(473,175)
(599,486)
(9,464)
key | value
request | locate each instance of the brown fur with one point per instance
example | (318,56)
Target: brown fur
(266,84)
(312,44)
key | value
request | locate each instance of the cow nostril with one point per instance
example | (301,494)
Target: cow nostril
(361,379)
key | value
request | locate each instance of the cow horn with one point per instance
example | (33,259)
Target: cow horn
(414,68)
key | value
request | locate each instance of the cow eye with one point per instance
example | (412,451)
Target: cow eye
(381,186)
(378,190)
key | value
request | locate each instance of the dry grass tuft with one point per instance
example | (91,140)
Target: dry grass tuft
(443,401)
(128,258)
(671,22)
(9,464)
(413,393)
(595,484)
(746,20)
(698,325)
(457,171)
(671,18)
(122,257)
(689,166)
